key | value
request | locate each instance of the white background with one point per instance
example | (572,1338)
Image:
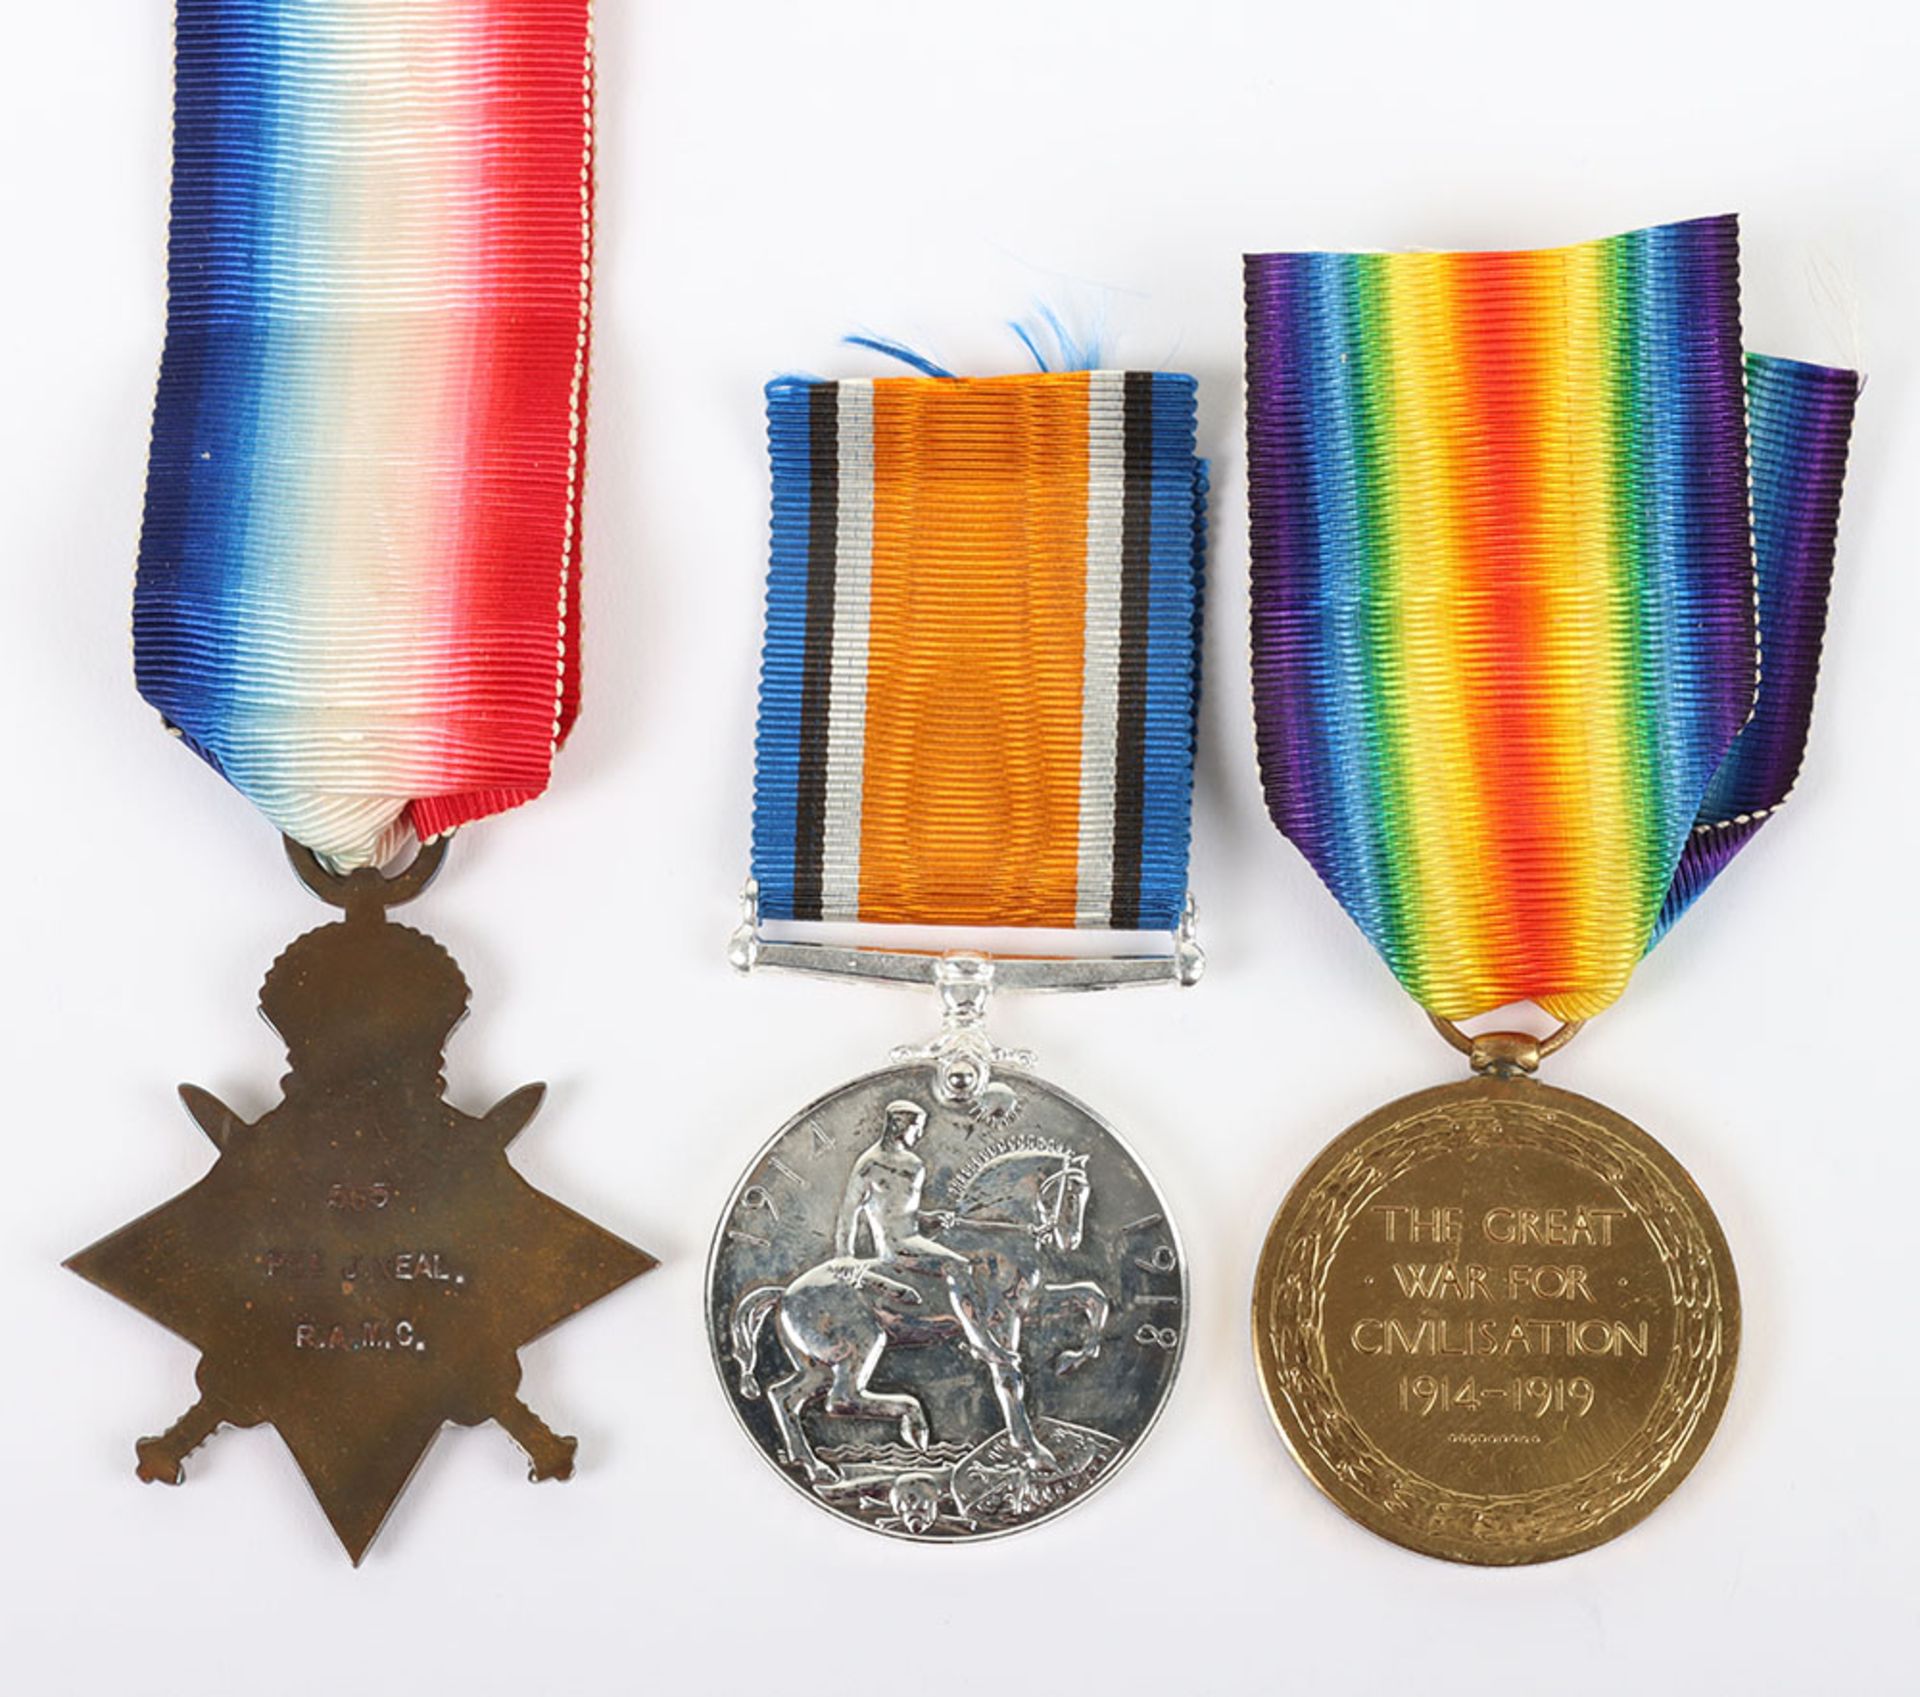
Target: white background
(772,176)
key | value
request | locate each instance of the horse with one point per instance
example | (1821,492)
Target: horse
(1014,1202)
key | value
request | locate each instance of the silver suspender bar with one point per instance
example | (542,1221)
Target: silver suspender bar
(750,951)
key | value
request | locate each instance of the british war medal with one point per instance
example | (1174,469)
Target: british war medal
(946,1301)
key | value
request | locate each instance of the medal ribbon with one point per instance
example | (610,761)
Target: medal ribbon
(1504,587)
(979,681)
(356,590)
(1799,418)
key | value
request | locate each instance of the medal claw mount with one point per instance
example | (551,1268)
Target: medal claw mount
(963,1056)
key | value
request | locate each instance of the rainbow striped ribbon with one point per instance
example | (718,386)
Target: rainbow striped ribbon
(1799,418)
(1504,581)
(978,686)
(356,584)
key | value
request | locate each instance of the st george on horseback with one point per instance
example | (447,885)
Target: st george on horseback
(1015,1202)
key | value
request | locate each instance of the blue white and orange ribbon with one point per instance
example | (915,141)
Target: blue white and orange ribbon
(978,686)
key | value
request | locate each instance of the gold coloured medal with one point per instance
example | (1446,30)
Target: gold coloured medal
(1540,564)
(1496,1321)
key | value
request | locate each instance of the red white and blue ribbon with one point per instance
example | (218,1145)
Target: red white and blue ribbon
(357,593)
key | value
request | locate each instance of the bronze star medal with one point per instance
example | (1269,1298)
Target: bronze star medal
(361,1264)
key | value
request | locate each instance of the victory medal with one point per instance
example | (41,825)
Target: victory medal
(946,1301)
(356,600)
(1528,672)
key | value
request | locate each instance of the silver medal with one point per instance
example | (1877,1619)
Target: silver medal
(946,1301)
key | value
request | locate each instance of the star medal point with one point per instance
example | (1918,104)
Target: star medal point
(362,1263)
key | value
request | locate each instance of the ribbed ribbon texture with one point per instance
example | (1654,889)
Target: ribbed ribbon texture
(1510,696)
(982,651)
(1799,419)
(357,589)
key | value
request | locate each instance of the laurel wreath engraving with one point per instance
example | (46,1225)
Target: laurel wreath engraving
(1489,1527)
